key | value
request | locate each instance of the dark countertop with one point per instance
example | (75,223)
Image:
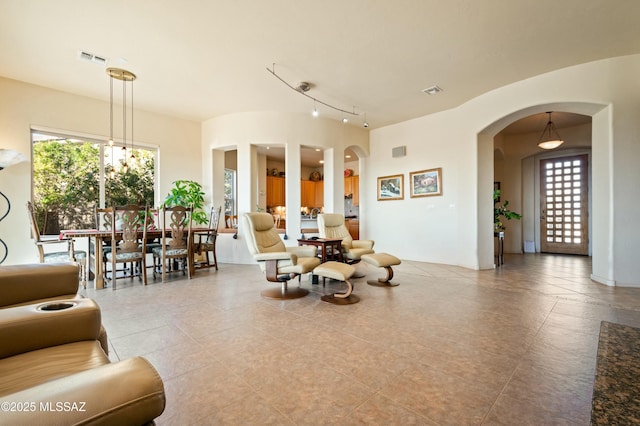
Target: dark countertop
(616,390)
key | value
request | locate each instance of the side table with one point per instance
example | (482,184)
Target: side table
(328,247)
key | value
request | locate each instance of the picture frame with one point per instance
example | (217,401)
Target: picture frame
(426,183)
(390,188)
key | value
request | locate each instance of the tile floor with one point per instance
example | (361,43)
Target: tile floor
(449,346)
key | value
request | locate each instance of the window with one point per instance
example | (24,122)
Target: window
(230,192)
(70,180)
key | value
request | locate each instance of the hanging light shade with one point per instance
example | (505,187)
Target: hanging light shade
(126,77)
(550,139)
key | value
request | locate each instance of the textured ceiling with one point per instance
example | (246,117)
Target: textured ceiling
(199,59)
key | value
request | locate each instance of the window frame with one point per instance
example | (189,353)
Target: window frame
(103,145)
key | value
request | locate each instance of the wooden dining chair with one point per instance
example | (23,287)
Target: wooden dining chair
(128,241)
(176,242)
(205,242)
(103,218)
(68,255)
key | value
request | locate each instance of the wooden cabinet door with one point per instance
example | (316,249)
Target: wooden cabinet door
(319,199)
(307,193)
(352,187)
(275,191)
(356,190)
(348,186)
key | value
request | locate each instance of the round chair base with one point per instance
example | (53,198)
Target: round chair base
(350,300)
(289,293)
(379,283)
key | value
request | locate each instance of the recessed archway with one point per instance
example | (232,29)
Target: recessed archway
(601,173)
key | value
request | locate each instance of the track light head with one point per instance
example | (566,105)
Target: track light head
(303,87)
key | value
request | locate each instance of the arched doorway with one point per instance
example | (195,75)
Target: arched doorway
(601,141)
(550,188)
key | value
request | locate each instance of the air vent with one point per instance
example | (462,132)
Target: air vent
(399,151)
(432,90)
(90,57)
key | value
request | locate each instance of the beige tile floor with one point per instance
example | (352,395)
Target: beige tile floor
(449,346)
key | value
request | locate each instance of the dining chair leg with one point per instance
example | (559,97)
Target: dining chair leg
(143,269)
(215,258)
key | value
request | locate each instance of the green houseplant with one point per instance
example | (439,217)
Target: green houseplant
(501,211)
(186,193)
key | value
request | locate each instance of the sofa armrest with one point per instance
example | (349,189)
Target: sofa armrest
(32,327)
(31,282)
(126,392)
(365,244)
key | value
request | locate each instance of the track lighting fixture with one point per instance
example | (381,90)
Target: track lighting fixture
(304,87)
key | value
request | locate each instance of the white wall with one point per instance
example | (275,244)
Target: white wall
(452,228)
(455,228)
(24,105)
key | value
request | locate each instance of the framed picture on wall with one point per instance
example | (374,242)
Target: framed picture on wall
(425,183)
(391,188)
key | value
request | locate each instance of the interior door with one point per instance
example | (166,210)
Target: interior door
(564,207)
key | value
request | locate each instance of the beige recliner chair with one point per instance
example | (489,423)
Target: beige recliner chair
(53,370)
(331,225)
(280,263)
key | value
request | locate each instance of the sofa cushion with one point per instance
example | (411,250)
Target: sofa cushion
(33,368)
(128,392)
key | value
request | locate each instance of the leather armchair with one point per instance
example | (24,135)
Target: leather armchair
(280,263)
(53,370)
(41,282)
(331,225)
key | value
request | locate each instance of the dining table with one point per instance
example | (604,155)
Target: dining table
(99,236)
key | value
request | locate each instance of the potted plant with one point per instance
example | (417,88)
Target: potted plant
(186,193)
(501,211)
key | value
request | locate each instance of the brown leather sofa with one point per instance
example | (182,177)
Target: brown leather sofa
(53,370)
(41,282)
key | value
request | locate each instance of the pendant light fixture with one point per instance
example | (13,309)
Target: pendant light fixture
(126,77)
(550,139)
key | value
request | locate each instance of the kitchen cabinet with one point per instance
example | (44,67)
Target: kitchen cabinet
(276,191)
(311,193)
(352,187)
(353,225)
(319,194)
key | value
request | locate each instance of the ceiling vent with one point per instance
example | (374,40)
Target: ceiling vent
(90,57)
(432,90)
